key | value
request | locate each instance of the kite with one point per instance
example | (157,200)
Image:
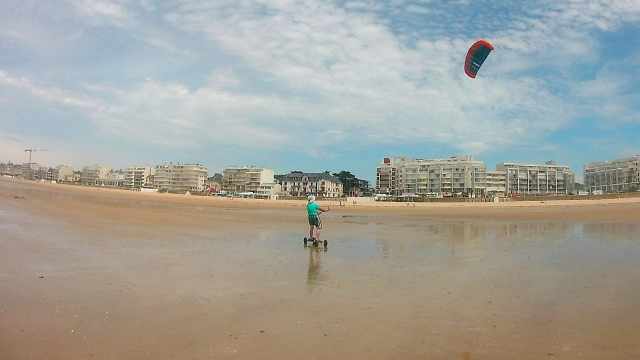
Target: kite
(476,55)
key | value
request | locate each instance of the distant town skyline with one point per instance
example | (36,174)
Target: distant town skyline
(578,174)
(397,176)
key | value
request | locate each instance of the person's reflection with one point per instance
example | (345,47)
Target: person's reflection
(313,275)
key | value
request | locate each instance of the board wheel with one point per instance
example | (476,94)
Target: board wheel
(305,241)
(325,243)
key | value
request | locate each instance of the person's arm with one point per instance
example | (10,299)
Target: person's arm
(321,210)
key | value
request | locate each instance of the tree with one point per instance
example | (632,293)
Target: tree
(348,180)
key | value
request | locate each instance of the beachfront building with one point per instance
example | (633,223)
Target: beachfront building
(180,177)
(137,177)
(451,176)
(387,175)
(496,183)
(621,175)
(298,183)
(269,190)
(27,170)
(41,173)
(60,173)
(92,174)
(113,179)
(246,179)
(33,171)
(531,179)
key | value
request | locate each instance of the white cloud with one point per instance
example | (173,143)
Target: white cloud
(355,74)
(282,72)
(100,12)
(417,9)
(612,94)
(49,94)
(148,5)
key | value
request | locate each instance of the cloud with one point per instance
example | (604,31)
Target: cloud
(612,94)
(323,64)
(417,9)
(342,55)
(273,74)
(49,94)
(105,12)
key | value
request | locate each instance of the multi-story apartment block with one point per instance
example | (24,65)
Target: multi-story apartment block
(139,176)
(180,177)
(91,174)
(547,179)
(298,183)
(455,175)
(387,175)
(621,175)
(41,173)
(246,179)
(60,174)
(33,171)
(496,183)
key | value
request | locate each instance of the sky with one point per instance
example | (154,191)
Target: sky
(317,85)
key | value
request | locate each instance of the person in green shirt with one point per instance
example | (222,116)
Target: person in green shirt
(313,210)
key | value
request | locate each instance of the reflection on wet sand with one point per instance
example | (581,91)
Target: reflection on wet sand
(465,234)
(314,277)
(618,231)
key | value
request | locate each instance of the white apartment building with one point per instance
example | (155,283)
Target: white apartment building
(531,179)
(139,176)
(180,177)
(269,190)
(60,174)
(496,183)
(298,183)
(455,175)
(621,175)
(246,179)
(91,174)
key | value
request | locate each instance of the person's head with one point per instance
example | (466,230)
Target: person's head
(311,198)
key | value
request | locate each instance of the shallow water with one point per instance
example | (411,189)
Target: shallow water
(424,288)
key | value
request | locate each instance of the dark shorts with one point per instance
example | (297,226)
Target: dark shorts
(315,220)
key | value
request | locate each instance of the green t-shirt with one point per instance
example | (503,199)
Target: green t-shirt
(312,209)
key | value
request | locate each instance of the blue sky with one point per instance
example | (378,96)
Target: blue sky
(317,85)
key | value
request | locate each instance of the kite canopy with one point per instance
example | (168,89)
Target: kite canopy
(476,55)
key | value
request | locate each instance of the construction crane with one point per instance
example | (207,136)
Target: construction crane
(29,163)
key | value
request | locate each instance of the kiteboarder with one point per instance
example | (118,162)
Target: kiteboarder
(313,210)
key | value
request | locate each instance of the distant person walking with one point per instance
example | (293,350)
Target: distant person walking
(313,211)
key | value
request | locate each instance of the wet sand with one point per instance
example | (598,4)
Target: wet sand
(106,274)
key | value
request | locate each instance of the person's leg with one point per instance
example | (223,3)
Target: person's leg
(311,231)
(318,228)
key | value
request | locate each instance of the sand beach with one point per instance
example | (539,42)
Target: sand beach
(101,273)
